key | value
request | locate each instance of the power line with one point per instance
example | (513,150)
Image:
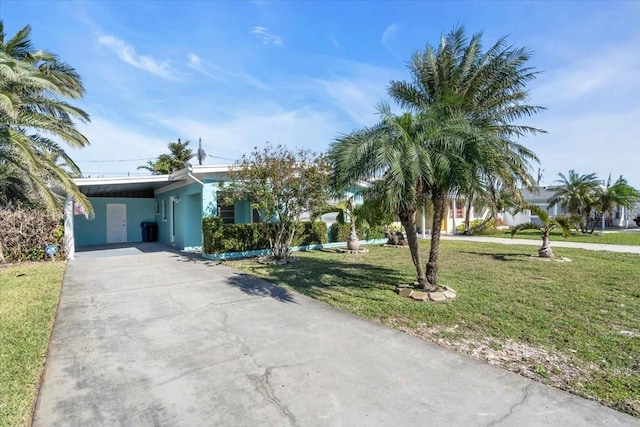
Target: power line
(117,160)
(218,157)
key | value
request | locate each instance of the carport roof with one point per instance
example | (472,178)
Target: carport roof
(96,187)
(132,186)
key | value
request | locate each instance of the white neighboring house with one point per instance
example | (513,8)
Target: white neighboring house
(619,217)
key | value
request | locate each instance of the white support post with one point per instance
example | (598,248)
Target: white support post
(423,224)
(69,240)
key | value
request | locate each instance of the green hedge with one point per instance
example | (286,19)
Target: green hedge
(340,232)
(221,238)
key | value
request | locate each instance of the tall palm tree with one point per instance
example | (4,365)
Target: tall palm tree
(33,87)
(485,92)
(577,194)
(391,150)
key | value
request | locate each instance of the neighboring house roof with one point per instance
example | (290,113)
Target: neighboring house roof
(539,195)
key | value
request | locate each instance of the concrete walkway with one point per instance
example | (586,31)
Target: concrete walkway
(149,337)
(554,243)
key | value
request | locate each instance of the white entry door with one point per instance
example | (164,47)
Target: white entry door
(116,223)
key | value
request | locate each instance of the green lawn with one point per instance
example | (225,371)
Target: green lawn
(573,325)
(608,238)
(29,294)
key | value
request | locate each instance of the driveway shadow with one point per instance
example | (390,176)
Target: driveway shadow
(255,286)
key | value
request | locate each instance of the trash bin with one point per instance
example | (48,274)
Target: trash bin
(149,231)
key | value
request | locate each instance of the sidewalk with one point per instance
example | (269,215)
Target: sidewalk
(554,243)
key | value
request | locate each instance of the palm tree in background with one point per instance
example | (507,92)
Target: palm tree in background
(577,194)
(620,193)
(34,113)
(177,158)
(484,93)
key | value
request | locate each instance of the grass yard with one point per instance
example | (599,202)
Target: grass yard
(573,325)
(608,238)
(29,294)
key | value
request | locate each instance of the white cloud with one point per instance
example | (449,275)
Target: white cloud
(602,143)
(253,127)
(612,70)
(356,89)
(194,61)
(208,69)
(113,141)
(128,54)
(389,34)
(266,37)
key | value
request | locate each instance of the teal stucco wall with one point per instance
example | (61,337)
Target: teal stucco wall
(181,208)
(94,232)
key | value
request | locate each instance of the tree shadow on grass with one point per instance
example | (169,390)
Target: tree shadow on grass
(315,277)
(506,257)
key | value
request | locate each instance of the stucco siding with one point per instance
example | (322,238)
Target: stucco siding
(94,232)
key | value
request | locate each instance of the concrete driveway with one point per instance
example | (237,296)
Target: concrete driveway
(149,337)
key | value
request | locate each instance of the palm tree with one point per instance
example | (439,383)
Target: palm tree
(495,198)
(484,93)
(562,222)
(33,87)
(620,193)
(177,158)
(577,194)
(14,189)
(391,150)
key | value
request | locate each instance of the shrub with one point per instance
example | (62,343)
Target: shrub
(480,226)
(340,232)
(371,233)
(221,238)
(310,233)
(24,233)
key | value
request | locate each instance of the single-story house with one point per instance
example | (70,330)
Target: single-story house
(170,207)
(175,203)
(619,217)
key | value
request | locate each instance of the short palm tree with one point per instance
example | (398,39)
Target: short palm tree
(33,87)
(563,223)
(485,94)
(392,156)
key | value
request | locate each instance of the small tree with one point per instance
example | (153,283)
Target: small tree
(177,158)
(281,184)
(563,222)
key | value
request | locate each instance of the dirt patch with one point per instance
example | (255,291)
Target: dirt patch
(555,369)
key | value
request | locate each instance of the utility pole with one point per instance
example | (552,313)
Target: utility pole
(539,176)
(201,153)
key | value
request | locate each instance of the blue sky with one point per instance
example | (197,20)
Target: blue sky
(238,74)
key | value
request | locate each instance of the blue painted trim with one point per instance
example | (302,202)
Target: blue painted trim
(263,252)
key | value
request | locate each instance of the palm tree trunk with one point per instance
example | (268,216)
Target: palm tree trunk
(439,201)
(545,251)
(408,221)
(467,217)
